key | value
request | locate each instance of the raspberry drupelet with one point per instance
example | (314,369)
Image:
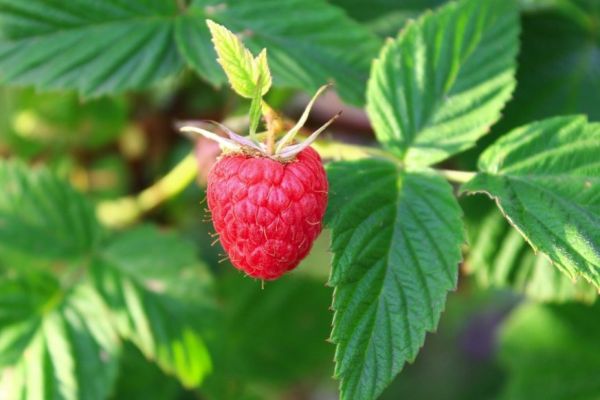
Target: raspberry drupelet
(267,212)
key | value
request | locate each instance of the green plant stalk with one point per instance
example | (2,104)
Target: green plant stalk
(456,176)
(127,210)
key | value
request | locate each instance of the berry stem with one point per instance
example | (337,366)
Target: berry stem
(126,210)
(274,125)
(457,176)
(270,142)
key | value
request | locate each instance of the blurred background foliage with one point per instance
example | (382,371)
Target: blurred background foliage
(516,328)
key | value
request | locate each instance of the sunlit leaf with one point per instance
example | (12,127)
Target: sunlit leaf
(499,257)
(246,75)
(59,345)
(94,47)
(545,177)
(442,83)
(145,277)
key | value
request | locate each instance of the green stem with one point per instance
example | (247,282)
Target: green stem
(125,211)
(344,151)
(457,176)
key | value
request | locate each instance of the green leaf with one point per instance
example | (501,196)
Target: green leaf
(386,17)
(442,83)
(255,113)
(235,59)
(42,217)
(56,319)
(56,337)
(135,372)
(145,277)
(561,78)
(258,331)
(552,352)
(500,257)
(50,122)
(120,45)
(246,75)
(535,5)
(396,245)
(545,177)
(262,71)
(60,344)
(263,80)
(102,47)
(195,46)
(320,43)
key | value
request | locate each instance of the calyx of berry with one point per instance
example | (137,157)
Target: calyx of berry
(285,148)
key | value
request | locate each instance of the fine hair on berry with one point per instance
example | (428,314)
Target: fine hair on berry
(267,212)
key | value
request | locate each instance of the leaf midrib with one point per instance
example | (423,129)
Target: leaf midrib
(443,98)
(567,205)
(379,300)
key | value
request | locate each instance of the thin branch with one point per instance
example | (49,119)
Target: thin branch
(126,210)
(457,176)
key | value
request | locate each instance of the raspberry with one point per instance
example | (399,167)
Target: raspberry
(267,199)
(267,213)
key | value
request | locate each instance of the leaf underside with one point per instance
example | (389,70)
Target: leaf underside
(561,78)
(68,294)
(545,177)
(109,47)
(94,47)
(141,275)
(500,257)
(69,352)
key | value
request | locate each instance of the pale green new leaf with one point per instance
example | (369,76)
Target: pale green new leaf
(263,83)
(42,217)
(149,279)
(95,47)
(552,352)
(442,83)
(545,177)
(262,72)
(309,42)
(55,344)
(500,257)
(396,239)
(246,75)
(255,112)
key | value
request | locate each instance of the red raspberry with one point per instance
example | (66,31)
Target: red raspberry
(267,213)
